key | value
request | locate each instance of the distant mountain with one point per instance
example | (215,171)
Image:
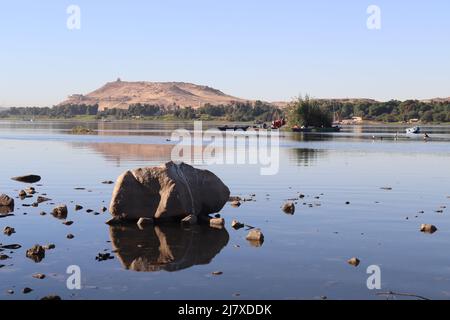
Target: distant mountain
(444,100)
(122,94)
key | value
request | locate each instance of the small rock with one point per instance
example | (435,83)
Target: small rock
(145,222)
(4,257)
(354,262)
(104,257)
(10,291)
(347,203)
(236,204)
(428,228)
(217,273)
(255,235)
(39,276)
(22,194)
(191,219)
(43,213)
(78,207)
(89,210)
(30,191)
(11,246)
(9,231)
(217,222)
(234,198)
(104,209)
(30,178)
(41,199)
(51,298)
(50,247)
(237,225)
(68,223)
(6,201)
(37,253)
(60,212)
(108,182)
(289,208)
(386,188)
(70,236)
(26,290)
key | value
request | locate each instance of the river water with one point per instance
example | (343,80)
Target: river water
(366,196)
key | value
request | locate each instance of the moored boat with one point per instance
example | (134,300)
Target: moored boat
(415,130)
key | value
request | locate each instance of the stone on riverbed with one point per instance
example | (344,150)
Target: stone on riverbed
(31,178)
(169,191)
(60,212)
(256,237)
(9,231)
(289,208)
(428,228)
(37,253)
(6,201)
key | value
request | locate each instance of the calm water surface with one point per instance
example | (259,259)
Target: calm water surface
(303,257)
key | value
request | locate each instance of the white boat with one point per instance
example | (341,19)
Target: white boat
(415,130)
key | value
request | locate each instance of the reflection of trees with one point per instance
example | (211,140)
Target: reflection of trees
(306,157)
(166,247)
(305,137)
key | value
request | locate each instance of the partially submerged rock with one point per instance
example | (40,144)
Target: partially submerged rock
(41,199)
(36,253)
(51,298)
(217,222)
(60,212)
(289,208)
(9,231)
(354,262)
(30,178)
(237,225)
(428,228)
(39,276)
(6,201)
(169,191)
(256,237)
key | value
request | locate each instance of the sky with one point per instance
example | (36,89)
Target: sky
(253,49)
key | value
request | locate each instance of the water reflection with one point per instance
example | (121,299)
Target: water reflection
(306,157)
(166,247)
(123,151)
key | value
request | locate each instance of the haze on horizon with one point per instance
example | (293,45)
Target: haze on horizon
(267,50)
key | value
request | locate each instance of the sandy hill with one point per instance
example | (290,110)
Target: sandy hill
(122,94)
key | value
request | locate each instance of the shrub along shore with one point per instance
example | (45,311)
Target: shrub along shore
(393,111)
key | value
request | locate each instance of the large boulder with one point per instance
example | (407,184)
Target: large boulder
(170,191)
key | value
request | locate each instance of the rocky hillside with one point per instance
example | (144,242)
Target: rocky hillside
(122,94)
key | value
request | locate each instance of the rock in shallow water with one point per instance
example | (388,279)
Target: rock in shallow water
(60,212)
(37,253)
(428,228)
(6,201)
(169,191)
(30,178)
(289,208)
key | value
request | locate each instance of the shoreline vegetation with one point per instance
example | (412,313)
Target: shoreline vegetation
(324,112)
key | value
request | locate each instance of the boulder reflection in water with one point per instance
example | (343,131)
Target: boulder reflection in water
(166,247)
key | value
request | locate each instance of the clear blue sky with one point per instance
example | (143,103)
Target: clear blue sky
(255,49)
